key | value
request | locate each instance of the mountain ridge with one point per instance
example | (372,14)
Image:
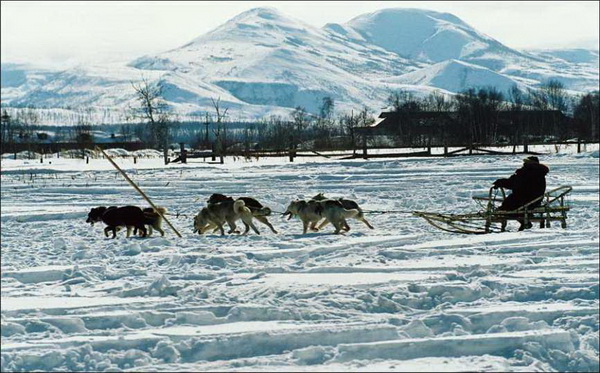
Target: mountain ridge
(263,62)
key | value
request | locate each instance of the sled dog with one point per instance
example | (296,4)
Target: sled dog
(259,212)
(349,205)
(127,216)
(311,212)
(216,214)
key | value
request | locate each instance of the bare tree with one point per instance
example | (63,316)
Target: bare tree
(7,128)
(154,110)
(556,95)
(220,131)
(82,133)
(586,113)
(126,132)
(438,102)
(301,120)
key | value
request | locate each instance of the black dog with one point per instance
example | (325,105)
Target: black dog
(113,217)
(95,215)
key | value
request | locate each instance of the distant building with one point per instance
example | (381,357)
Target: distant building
(442,127)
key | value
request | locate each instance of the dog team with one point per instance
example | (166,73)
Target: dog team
(315,214)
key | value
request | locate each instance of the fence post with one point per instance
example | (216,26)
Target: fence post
(182,152)
(291,151)
(578,145)
(445,149)
(365,156)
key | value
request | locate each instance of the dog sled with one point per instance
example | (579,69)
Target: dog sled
(553,207)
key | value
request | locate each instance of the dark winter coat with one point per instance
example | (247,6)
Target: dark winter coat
(527,184)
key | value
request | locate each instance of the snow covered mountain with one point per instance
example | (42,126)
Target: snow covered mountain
(455,76)
(262,57)
(423,35)
(263,62)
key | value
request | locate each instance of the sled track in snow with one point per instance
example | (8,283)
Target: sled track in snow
(400,297)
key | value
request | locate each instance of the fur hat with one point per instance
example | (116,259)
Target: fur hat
(531,159)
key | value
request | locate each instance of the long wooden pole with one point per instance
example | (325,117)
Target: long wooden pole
(139,190)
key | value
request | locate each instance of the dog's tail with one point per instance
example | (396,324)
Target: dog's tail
(265,211)
(351,213)
(239,206)
(162,210)
(154,214)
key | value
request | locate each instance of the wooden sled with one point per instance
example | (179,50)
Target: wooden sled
(552,208)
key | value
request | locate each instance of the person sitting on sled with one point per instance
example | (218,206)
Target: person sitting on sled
(527,184)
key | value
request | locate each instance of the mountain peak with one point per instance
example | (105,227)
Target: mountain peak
(259,23)
(266,12)
(411,12)
(425,35)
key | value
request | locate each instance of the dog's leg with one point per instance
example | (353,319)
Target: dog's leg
(367,223)
(106,231)
(232,227)
(324,223)
(345,225)
(142,229)
(338,226)
(304,226)
(128,231)
(159,229)
(247,219)
(220,226)
(264,220)
(114,231)
(149,230)
(246,228)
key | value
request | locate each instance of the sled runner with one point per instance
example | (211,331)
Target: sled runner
(553,207)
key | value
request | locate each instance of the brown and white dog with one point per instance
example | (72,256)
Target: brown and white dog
(347,204)
(311,212)
(259,212)
(216,214)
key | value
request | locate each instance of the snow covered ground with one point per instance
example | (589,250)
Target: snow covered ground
(402,297)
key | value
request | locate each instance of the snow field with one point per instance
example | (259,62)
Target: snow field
(401,297)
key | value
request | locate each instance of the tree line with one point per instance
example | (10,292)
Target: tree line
(489,116)
(475,115)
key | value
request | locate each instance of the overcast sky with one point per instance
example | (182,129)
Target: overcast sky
(68,33)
